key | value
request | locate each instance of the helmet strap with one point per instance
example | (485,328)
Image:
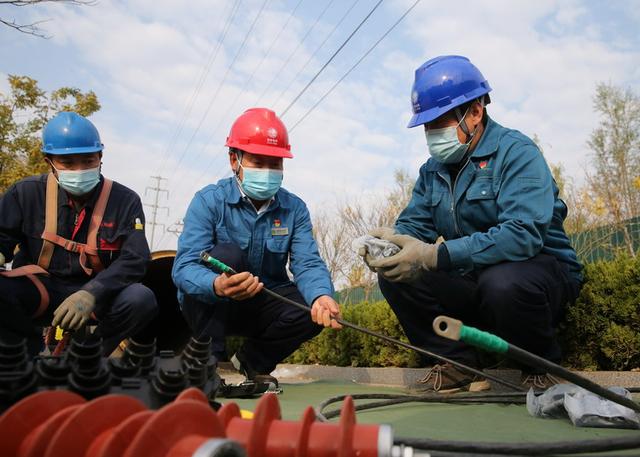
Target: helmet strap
(463,125)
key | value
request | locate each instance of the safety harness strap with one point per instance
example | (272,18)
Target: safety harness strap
(30,271)
(50,220)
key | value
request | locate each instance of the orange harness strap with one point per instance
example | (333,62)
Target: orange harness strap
(89,259)
(30,271)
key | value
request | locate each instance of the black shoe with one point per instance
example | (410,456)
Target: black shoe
(240,363)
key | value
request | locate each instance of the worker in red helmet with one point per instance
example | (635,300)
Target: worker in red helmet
(255,226)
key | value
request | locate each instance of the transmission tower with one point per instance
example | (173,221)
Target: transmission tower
(155,207)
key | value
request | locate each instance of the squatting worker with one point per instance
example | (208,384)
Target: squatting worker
(255,226)
(506,264)
(81,248)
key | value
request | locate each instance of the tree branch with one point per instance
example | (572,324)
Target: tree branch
(32,28)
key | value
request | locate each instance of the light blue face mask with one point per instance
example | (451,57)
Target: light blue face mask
(444,145)
(79,182)
(261,183)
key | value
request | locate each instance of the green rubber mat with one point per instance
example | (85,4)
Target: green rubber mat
(478,422)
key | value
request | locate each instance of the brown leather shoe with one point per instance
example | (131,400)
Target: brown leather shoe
(446,378)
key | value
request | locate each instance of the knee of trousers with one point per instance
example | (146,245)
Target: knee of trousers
(141,302)
(232,255)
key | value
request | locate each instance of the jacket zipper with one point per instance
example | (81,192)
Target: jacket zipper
(453,199)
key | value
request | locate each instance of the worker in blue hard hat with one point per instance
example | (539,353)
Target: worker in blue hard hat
(482,238)
(80,242)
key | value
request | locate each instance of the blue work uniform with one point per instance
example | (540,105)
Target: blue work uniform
(224,222)
(502,221)
(123,306)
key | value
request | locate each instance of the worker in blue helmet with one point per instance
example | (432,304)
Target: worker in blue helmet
(482,238)
(76,243)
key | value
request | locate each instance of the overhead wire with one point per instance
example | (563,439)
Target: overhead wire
(333,56)
(213,54)
(292,53)
(221,84)
(320,46)
(243,90)
(353,67)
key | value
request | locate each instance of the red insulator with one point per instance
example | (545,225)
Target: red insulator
(21,423)
(88,426)
(165,430)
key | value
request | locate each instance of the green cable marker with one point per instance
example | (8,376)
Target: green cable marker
(215,263)
(454,329)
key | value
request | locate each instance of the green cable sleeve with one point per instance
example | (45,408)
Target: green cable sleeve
(218,265)
(483,340)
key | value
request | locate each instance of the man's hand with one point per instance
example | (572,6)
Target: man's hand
(379,232)
(2,259)
(406,265)
(74,311)
(241,286)
(323,309)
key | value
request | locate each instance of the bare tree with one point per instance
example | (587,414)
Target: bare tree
(616,155)
(33,28)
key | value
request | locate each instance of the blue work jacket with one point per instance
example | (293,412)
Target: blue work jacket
(502,206)
(220,214)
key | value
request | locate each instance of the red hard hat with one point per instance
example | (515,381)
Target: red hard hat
(260,131)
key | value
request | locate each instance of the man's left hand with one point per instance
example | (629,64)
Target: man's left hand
(406,266)
(74,311)
(323,309)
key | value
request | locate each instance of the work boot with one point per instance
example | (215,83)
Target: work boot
(539,381)
(240,363)
(446,378)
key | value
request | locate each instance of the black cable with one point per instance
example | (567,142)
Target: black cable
(396,399)
(216,264)
(304,89)
(530,448)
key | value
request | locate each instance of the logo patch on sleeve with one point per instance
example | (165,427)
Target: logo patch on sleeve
(138,224)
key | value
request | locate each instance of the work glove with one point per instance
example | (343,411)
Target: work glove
(2,259)
(379,232)
(323,309)
(74,311)
(407,265)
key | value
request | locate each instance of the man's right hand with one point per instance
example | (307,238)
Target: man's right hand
(240,286)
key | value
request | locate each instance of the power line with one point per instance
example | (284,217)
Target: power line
(288,59)
(196,92)
(158,190)
(354,65)
(304,89)
(215,96)
(246,83)
(304,67)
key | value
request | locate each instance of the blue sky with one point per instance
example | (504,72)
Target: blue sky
(143,58)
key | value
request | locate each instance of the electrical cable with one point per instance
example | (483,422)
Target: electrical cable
(326,94)
(217,92)
(290,56)
(304,89)
(529,449)
(320,46)
(219,266)
(228,110)
(196,92)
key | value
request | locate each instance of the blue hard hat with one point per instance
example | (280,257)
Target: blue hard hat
(442,84)
(70,133)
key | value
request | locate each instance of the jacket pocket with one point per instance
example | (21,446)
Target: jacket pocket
(275,258)
(481,189)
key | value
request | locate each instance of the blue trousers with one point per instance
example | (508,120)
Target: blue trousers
(273,329)
(121,317)
(522,302)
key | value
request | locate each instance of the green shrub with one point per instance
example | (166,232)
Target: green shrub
(602,329)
